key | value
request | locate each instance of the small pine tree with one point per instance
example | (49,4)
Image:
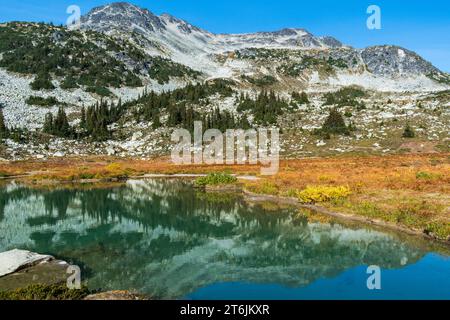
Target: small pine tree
(62,127)
(301,98)
(335,123)
(409,132)
(4,132)
(156,119)
(48,124)
(59,125)
(83,119)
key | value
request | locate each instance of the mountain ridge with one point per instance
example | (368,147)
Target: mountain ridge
(181,41)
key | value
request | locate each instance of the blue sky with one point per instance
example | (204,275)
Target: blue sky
(422,26)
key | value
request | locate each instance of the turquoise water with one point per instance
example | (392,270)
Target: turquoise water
(165,239)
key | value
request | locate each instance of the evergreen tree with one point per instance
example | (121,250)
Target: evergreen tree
(301,98)
(156,119)
(61,124)
(48,124)
(266,108)
(58,126)
(96,119)
(335,123)
(42,81)
(4,132)
(409,132)
(83,119)
(69,82)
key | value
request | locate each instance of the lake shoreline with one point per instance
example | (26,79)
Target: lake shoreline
(409,193)
(255,197)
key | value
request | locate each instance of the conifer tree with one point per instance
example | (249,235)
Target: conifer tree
(156,119)
(4,132)
(61,124)
(409,132)
(48,124)
(83,119)
(335,123)
(301,98)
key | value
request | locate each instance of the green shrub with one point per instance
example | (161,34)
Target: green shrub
(163,69)
(438,229)
(215,179)
(45,292)
(4,174)
(69,83)
(40,101)
(422,175)
(80,60)
(266,80)
(101,91)
(42,82)
(344,97)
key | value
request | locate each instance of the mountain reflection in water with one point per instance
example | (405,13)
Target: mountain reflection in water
(166,239)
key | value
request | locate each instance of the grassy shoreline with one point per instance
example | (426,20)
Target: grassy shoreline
(411,191)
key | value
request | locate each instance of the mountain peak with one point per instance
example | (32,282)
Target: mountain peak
(122,15)
(291,32)
(119,8)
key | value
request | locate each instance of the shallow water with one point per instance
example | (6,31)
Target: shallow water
(165,239)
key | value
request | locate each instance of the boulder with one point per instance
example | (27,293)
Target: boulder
(14,260)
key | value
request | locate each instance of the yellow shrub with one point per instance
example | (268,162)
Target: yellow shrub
(114,170)
(114,167)
(314,194)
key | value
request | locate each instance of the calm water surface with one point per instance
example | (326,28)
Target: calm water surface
(165,239)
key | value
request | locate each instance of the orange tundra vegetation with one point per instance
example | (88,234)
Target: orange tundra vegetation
(409,190)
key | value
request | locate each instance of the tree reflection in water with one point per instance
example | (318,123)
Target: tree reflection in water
(164,238)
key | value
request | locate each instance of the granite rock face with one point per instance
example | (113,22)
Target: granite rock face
(394,60)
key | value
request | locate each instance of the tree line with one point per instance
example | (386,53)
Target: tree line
(94,122)
(266,107)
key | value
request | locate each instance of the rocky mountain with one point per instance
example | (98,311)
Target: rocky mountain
(204,51)
(393,60)
(176,34)
(129,76)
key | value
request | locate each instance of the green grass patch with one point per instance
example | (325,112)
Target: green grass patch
(423,175)
(45,292)
(214,179)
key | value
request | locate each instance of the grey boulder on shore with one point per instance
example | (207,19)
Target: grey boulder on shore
(15,260)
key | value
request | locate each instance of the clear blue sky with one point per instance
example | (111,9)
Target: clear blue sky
(422,26)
